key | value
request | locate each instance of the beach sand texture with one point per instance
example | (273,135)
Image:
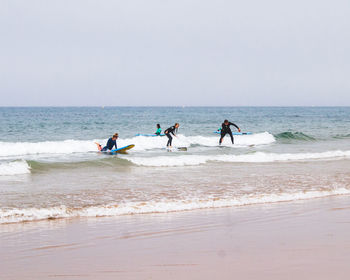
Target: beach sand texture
(290,240)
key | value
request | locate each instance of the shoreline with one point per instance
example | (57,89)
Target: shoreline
(305,239)
(106,211)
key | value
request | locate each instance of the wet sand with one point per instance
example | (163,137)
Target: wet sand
(306,239)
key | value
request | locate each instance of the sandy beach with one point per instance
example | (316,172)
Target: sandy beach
(306,239)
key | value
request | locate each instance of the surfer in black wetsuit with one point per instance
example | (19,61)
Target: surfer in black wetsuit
(170,131)
(110,144)
(225,129)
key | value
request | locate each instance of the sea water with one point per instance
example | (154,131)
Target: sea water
(50,167)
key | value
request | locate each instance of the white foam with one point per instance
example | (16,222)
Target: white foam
(239,140)
(14,168)
(141,144)
(47,147)
(129,208)
(183,160)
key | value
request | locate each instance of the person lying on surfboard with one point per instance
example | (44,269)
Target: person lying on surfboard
(159,130)
(170,131)
(110,144)
(225,129)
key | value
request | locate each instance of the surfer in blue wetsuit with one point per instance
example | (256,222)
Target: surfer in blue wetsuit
(110,144)
(170,131)
(159,130)
(225,129)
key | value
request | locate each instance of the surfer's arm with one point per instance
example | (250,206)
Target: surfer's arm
(171,130)
(230,123)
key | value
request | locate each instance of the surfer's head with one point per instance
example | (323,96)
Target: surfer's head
(115,136)
(158,125)
(225,121)
(177,125)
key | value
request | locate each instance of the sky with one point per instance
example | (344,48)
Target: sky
(174,53)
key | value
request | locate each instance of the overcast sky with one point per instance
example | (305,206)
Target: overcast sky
(183,52)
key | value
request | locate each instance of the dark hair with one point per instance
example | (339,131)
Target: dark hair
(115,135)
(158,125)
(225,121)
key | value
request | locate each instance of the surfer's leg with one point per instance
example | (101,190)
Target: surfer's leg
(170,139)
(222,137)
(230,133)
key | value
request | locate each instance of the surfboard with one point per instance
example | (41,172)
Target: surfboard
(149,135)
(236,133)
(122,150)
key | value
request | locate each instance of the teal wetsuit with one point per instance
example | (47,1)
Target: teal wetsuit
(159,130)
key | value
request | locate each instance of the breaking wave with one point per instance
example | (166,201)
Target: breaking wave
(15,215)
(294,136)
(258,157)
(14,168)
(141,144)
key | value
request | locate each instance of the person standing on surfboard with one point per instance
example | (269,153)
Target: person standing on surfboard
(225,129)
(110,143)
(159,130)
(170,131)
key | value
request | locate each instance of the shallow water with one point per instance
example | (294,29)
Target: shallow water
(49,166)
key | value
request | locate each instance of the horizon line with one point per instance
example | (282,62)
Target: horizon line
(170,106)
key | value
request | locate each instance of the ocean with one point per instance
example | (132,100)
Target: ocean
(50,167)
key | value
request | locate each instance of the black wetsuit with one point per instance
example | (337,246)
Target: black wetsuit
(110,144)
(227,130)
(167,133)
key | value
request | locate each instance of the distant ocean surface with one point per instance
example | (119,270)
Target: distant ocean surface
(50,167)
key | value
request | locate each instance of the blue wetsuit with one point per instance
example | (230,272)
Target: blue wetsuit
(110,144)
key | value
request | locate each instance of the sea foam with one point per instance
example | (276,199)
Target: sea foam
(15,215)
(14,168)
(141,144)
(258,157)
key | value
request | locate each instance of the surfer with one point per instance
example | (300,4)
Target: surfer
(159,130)
(110,143)
(225,129)
(170,131)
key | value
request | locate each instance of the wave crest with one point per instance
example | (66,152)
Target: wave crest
(294,136)
(14,168)
(16,215)
(258,157)
(141,144)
